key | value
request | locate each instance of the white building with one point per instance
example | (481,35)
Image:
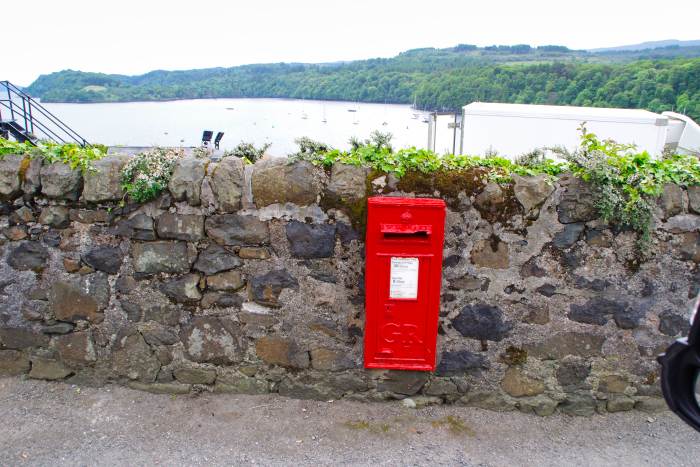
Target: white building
(515,129)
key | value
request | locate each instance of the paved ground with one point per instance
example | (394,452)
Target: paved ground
(58,424)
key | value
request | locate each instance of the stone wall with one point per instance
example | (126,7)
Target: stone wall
(250,279)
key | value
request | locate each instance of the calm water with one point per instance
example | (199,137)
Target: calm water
(258,121)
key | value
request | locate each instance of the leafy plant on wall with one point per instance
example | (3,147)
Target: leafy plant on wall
(147,174)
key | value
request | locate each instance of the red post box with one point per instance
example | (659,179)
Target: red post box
(403,272)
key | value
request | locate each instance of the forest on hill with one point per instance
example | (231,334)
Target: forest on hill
(435,79)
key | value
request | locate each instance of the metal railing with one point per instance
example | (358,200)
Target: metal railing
(37,121)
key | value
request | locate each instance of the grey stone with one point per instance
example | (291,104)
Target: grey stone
(531,269)
(540,405)
(22,215)
(348,181)
(518,384)
(163,313)
(163,256)
(547,290)
(226,180)
(157,334)
(613,384)
(562,344)
(578,404)
(491,253)
(469,283)
(266,288)
(216,259)
(567,237)
(208,340)
(192,375)
(572,373)
(651,405)
(671,201)
(598,237)
(103,181)
(104,258)
(58,328)
(620,404)
(58,180)
(139,227)
(189,227)
(91,216)
(311,240)
(182,289)
(160,388)
(629,317)
(32,176)
(577,202)
(233,229)
(279,181)
(403,382)
(125,284)
(133,358)
(249,252)
(27,256)
(81,299)
(10,181)
(34,310)
(186,181)
(325,359)
(55,216)
(441,387)
(460,362)
(229,280)
(18,338)
(275,350)
(15,233)
(49,369)
(221,300)
(694,198)
(13,363)
(491,196)
(76,348)
(683,223)
(531,192)
(482,321)
(309,387)
(599,310)
(673,324)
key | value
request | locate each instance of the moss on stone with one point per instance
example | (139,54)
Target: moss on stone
(503,210)
(416,182)
(355,209)
(514,356)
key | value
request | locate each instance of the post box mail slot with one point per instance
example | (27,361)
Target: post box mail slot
(402,281)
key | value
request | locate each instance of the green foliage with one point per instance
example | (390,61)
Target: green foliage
(627,182)
(147,174)
(377,153)
(247,151)
(72,154)
(657,80)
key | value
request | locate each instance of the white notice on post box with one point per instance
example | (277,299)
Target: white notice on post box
(403,279)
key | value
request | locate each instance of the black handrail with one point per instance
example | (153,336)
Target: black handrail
(36,116)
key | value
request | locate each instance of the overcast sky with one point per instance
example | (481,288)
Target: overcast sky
(136,36)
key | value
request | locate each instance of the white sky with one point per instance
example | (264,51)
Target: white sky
(133,37)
